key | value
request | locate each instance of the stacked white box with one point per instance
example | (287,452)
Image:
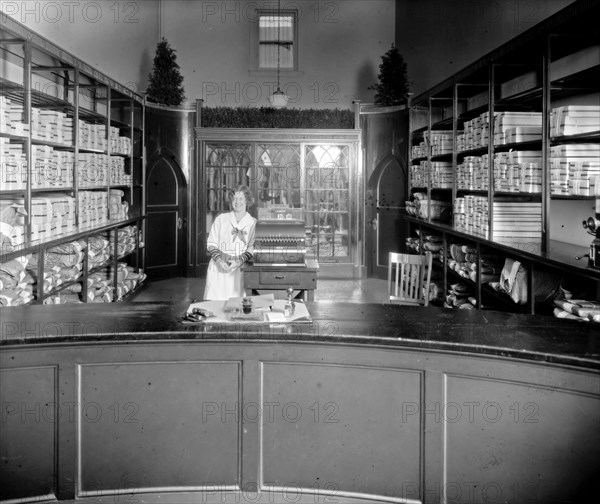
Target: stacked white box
(441,175)
(93,208)
(13,168)
(118,209)
(51,126)
(92,170)
(476,133)
(4,114)
(440,141)
(119,144)
(460,142)
(518,171)
(575,169)
(92,136)
(51,215)
(475,215)
(472,173)
(458,211)
(418,174)
(510,127)
(12,118)
(574,120)
(516,221)
(520,134)
(118,175)
(419,151)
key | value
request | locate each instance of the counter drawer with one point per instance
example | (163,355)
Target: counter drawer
(289,278)
(277,279)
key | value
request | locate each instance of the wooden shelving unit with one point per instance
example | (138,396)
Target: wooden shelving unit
(554,64)
(72,138)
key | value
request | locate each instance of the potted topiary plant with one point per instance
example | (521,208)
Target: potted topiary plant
(392,88)
(165,82)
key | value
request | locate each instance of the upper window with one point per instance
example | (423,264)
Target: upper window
(277,40)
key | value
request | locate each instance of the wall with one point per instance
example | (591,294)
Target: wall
(340,41)
(118,37)
(440,37)
(340,44)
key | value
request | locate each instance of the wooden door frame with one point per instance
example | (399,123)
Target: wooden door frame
(168,157)
(372,213)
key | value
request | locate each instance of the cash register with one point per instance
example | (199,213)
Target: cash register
(279,262)
(280,243)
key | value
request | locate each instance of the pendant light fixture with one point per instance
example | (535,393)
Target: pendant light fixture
(278,99)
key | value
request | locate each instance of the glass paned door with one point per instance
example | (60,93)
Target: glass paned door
(304,181)
(327,204)
(278,178)
(227,166)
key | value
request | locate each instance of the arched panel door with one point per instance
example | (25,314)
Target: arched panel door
(386,230)
(166,220)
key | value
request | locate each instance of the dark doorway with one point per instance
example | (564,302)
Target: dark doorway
(166,220)
(386,230)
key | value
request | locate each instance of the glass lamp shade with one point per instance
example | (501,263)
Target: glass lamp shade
(278,99)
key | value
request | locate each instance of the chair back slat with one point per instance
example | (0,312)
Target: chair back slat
(411,275)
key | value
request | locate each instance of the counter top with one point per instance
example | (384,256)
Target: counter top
(481,332)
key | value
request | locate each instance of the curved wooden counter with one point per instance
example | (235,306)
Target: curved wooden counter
(369,403)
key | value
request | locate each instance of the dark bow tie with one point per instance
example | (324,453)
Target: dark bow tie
(240,233)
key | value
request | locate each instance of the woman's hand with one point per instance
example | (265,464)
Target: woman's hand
(236,263)
(223,265)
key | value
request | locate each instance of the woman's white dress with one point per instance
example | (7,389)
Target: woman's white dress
(234,238)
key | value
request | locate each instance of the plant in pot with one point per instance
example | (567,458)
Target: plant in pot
(165,81)
(392,88)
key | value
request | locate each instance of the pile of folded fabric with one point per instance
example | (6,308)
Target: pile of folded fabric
(513,282)
(463,260)
(99,251)
(99,287)
(11,225)
(70,294)
(16,284)
(577,309)
(457,260)
(62,264)
(101,283)
(460,295)
(130,279)
(413,244)
(436,289)
(435,245)
(126,240)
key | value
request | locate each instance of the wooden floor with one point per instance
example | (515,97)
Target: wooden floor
(367,290)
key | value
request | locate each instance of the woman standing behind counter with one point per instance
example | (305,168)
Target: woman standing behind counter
(230,244)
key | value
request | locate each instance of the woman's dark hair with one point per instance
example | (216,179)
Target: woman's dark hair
(247,194)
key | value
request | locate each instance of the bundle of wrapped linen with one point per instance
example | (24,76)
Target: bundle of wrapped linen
(62,264)
(101,283)
(16,284)
(98,251)
(125,241)
(577,309)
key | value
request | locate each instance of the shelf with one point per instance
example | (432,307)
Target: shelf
(83,93)
(442,157)
(35,190)
(479,151)
(14,138)
(553,64)
(35,246)
(560,255)
(531,145)
(54,145)
(571,197)
(592,136)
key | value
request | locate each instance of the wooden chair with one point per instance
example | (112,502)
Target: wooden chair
(412,277)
